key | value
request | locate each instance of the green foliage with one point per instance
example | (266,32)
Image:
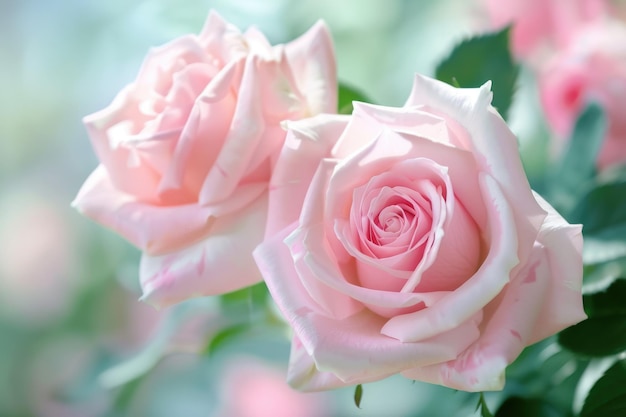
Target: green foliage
(607,397)
(480,59)
(482,405)
(224,336)
(602,208)
(245,301)
(526,407)
(604,332)
(598,277)
(596,337)
(242,312)
(606,245)
(609,302)
(347,95)
(358,395)
(577,169)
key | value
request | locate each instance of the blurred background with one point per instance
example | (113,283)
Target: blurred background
(71,327)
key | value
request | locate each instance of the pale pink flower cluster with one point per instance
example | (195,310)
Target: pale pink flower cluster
(578,50)
(396,240)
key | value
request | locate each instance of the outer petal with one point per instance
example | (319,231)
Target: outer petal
(315,78)
(508,330)
(493,144)
(541,300)
(154,229)
(562,247)
(220,263)
(302,373)
(308,141)
(351,348)
(222,40)
(356,351)
(151,228)
(128,173)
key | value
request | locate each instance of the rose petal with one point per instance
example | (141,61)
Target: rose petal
(369,158)
(276,260)
(493,144)
(458,306)
(133,178)
(257,43)
(204,133)
(208,267)
(316,79)
(321,267)
(163,62)
(562,247)
(432,142)
(222,40)
(354,350)
(245,132)
(154,229)
(302,373)
(343,356)
(307,142)
(508,330)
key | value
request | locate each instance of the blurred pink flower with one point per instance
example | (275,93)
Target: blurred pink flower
(591,68)
(251,388)
(540,26)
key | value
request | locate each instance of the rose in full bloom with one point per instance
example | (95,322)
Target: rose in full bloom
(407,240)
(186,152)
(541,26)
(591,68)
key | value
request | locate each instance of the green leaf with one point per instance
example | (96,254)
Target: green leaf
(347,95)
(603,207)
(358,394)
(610,302)
(596,337)
(126,393)
(224,336)
(598,277)
(482,405)
(242,304)
(608,395)
(604,332)
(578,165)
(526,407)
(606,245)
(480,59)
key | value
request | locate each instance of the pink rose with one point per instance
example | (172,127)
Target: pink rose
(187,151)
(541,25)
(591,68)
(409,241)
